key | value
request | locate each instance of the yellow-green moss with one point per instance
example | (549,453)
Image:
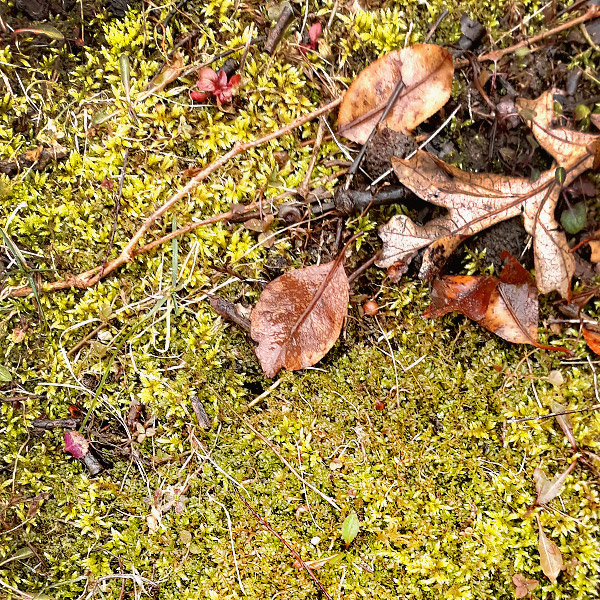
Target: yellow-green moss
(439,481)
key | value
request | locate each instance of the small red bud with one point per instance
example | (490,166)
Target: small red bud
(379,405)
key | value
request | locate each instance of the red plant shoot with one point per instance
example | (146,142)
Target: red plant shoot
(215,84)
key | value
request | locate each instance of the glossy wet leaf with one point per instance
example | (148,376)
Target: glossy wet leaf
(76,444)
(350,528)
(299,316)
(427,72)
(550,557)
(507,306)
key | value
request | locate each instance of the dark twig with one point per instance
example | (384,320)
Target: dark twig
(434,27)
(55,423)
(265,523)
(117,210)
(276,32)
(557,414)
(363,268)
(227,310)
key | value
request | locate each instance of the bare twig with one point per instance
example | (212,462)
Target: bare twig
(305,185)
(92,277)
(551,415)
(117,210)
(434,27)
(496,55)
(276,33)
(55,423)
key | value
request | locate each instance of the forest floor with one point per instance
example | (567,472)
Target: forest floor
(401,465)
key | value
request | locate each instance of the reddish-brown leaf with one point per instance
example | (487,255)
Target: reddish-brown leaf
(466,294)
(523,586)
(510,310)
(592,337)
(550,557)
(299,316)
(426,71)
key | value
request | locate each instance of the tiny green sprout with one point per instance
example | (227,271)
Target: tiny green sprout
(5,375)
(581,112)
(560,174)
(574,218)
(350,528)
(558,109)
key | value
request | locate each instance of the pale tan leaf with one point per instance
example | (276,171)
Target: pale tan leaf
(169,73)
(426,71)
(564,145)
(476,201)
(546,489)
(565,422)
(550,557)
(299,316)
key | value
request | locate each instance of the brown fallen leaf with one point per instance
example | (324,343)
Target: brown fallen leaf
(507,306)
(547,489)
(550,557)
(523,586)
(426,71)
(477,200)
(299,316)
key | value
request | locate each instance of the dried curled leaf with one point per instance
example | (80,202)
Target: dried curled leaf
(426,71)
(299,316)
(476,201)
(169,73)
(550,557)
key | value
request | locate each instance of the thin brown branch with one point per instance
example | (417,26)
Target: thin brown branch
(92,277)
(496,55)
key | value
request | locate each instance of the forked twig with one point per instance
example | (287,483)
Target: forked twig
(91,277)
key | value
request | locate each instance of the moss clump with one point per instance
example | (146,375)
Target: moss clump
(439,479)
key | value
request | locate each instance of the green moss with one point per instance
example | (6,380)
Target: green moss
(439,479)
